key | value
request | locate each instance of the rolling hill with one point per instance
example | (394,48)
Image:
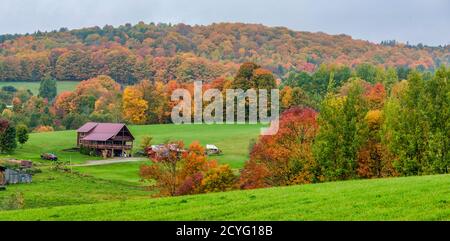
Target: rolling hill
(406,198)
(129,53)
(114,191)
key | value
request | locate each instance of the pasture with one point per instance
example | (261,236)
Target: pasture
(115,191)
(54,188)
(34,86)
(406,198)
(118,181)
(232,139)
(127,173)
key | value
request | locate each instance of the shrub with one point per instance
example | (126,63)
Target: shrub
(86,150)
(218,179)
(146,142)
(22,134)
(40,129)
(14,201)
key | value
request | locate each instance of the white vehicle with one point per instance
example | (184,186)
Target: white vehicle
(212,149)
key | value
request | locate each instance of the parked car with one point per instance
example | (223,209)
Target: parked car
(49,156)
(212,150)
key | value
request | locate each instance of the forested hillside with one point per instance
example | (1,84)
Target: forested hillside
(164,52)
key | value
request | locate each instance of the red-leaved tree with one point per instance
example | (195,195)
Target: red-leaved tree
(286,157)
(177,171)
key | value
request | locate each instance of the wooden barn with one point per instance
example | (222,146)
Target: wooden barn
(106,139)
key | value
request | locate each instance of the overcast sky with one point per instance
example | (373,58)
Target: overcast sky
(425,21)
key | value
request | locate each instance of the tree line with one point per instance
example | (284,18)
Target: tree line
(359,130)
(162,52)
(103,99)
(367,122)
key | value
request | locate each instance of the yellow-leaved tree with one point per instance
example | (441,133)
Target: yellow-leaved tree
(134,107)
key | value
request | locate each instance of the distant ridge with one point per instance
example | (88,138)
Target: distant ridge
(182,52)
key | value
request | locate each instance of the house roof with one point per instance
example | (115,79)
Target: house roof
(101,131)
(87,127)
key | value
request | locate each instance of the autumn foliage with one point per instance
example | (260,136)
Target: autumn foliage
(374,159)
(177,171)
(338,122)
(286,157)
(43,129)
(163,52)
(134,106)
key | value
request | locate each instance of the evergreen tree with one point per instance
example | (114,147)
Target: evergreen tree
(47,88)
(8,139)
(391,78)
(22,134)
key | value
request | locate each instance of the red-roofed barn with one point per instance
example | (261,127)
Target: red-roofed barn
(107,139)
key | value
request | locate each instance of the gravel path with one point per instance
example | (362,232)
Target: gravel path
(110,161)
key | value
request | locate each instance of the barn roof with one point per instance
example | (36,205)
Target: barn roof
(87,127)
(101,131)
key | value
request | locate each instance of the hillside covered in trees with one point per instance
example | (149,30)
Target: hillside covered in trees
(164,52)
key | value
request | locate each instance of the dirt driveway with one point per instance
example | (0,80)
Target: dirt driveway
(110,161)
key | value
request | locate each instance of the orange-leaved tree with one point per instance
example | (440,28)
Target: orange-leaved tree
(179,171)
(286,157)
(374,158)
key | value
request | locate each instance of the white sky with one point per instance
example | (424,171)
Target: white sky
(415,21)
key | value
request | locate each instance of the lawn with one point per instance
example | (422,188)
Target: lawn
(54,188)
(53,142)
(127,173)
(232,139)
(406,198)
(114,191)
(34,86)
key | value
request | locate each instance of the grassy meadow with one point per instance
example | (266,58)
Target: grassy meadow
(34,86)
(406,198)
(112,182)
(232,139)
(53,188)
(126,173)
(115,192)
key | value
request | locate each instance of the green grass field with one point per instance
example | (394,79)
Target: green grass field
(127,173)
(409,198)
(119,181)
(34,86)
(115,192)
(53,142)
(232,139)
(52,188)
